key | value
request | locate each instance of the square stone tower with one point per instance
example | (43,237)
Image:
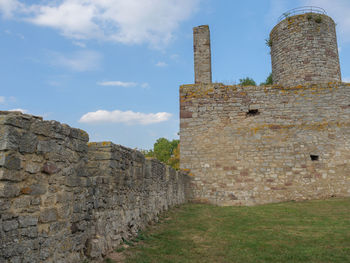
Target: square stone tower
(202,54)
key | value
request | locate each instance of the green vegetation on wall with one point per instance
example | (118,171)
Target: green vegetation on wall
(247,82)
(165,151)
(268,81)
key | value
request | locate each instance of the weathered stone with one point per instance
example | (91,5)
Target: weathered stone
(48,146)
(10,161)
(304,51)
(50,168)
(94,248)
(9,225)
(10,138)
(25,221)
(31,232)
(282,151)
(73,181)
(87,195)
(202,54)
(10,175)
(48,215)
(28,143)
(32,168)
(8,190)
(37,189)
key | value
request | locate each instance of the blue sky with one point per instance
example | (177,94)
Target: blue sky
(113,67)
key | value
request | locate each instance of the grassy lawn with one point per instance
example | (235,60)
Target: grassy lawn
(313,231)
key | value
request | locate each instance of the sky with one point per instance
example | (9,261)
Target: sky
(113,67)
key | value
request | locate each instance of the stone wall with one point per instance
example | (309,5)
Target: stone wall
(64,201)
(131,191)
(254,145)
(304,50)
(202,54)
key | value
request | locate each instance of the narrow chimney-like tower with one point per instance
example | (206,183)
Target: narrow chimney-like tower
(202,54)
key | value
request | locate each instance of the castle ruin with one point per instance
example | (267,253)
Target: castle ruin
(63,199)
(287,141)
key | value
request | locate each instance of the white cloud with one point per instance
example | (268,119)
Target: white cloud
(117,84)
(85,60)
(8,7)
(2,99)
(124,21)
(346,79)
(145,85)
(161,64)
(20,110)
(128,117)
(339,10)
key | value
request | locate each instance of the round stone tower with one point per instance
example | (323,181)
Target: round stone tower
(304,48)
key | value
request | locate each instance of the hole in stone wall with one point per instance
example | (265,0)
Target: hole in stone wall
(314,157)
(253,113)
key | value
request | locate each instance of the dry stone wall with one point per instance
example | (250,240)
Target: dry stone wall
(255,145)
(131,193)
(62,200)
(304,50)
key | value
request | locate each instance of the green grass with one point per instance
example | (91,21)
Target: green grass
(314,231)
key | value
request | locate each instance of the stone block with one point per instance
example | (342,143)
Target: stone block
(50,168)
(32,168)
(9,190)
(10,161)
(28,220)
(28,143)
(9,225)
(48,215)
(10,138)
(10,175)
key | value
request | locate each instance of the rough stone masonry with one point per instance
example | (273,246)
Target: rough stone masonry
(291,141)
(304,50)
(255,145)
(202,54)
(63,199)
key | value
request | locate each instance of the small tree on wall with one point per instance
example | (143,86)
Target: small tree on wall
(268,81)
(247,82)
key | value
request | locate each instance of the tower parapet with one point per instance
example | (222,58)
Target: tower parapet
(304,49)
(202,54)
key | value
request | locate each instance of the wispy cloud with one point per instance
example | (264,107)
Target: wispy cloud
(79,44)
(161,64)
(127,117)
(117,83)
(346,79)
(145,85)
(124,21)
(174,56)
(9,32)
(85,60)
(20,110)
(2,99)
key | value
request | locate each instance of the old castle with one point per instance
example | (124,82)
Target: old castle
(288,141)
(63,199)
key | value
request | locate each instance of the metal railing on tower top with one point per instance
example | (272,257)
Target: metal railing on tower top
(302,10)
